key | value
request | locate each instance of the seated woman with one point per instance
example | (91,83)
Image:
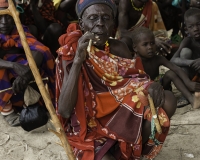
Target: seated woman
(102,91)
(137,13)
(14,69)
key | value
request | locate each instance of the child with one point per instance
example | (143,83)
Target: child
(188,56)
(144,45)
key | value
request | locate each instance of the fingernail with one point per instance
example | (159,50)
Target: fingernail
(94,42)
(97,37)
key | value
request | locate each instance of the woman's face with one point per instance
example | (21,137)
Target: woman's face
(98,19)
(6,23)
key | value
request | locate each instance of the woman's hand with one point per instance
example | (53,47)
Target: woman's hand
(196,65)
(162,47)
(82,46)
(24,77)
(157,93)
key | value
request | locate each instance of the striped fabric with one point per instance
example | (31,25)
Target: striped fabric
(7,75)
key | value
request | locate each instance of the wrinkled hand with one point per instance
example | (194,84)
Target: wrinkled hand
(162,46)
(82,46)
(157,93)
(24,77)
(196,65)
(193,86)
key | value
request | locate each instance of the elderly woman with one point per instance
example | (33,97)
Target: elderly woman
(102,92)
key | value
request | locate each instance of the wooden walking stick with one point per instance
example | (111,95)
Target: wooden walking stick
(11,10)
(154,114)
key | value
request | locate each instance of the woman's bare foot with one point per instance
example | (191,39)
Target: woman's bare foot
(196,100)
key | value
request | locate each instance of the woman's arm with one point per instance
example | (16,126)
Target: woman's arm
(69,91)
(192,86)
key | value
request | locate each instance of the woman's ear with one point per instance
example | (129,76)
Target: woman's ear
(134,48)
(81,24)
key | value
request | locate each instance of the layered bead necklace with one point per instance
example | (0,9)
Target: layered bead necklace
(135,8)
(107,48)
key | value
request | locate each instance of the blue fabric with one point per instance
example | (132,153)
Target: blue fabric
(81,5)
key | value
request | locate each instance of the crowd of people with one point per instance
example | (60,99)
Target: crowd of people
(102,60)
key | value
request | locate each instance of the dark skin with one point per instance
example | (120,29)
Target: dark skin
(97,23)
(128,17)
(191,65)
(195,3)
(50,31)
(146,48)
(24,73)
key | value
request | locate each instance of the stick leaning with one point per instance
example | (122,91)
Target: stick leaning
(11,10)
(154,114)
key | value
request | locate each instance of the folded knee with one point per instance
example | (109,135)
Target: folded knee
(170,103)
(186,53)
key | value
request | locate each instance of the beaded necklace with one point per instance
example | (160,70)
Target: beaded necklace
(107,48)
(135,8)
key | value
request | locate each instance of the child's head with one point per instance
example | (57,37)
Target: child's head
(143,42)
(195,3)
(192,22)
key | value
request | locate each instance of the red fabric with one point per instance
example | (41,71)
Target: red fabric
(115,111)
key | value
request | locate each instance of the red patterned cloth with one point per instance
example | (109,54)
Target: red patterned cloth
(111,104)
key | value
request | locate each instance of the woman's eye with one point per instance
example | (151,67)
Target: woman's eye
(106,17)
(92,17)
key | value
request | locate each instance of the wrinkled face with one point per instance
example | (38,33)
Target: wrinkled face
(193,26)
(146,46)
(195,3)
(98,19)
(6,23)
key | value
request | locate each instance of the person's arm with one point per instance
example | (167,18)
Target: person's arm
(176,59)
(39,21)
(120,49)
(123,19)
(192,86)
(69,90)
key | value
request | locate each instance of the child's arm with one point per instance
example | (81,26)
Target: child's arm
(176,59)
(192,86)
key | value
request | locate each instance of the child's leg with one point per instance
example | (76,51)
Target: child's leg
(169,107)
(186,53)
(169,77)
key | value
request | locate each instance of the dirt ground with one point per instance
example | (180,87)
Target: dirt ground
(182,143)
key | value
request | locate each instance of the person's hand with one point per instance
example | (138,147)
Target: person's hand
(20,84)
(82,46)
(193,86)
(24,77)
(162,46)
(157,93)
(196,65)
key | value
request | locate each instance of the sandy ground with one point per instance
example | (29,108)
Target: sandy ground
(182,143)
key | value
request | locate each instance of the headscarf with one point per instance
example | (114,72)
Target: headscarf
(81,5)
